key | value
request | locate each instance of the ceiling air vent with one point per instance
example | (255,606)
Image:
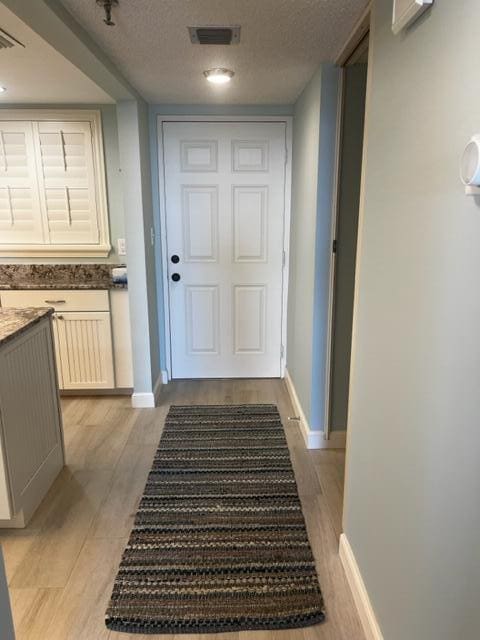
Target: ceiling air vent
(214,35)
(7,41)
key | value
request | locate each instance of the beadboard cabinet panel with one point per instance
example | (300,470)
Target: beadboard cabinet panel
(85,350)
(52,184)
(31,440)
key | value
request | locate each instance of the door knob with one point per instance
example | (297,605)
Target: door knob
(175,259)
(175,277)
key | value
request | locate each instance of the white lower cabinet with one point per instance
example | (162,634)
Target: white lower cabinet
(92,335)
(84,350)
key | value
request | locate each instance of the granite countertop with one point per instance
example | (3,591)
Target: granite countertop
(16,321)
(58,276)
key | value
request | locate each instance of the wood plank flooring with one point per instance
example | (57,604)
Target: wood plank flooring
(62,566)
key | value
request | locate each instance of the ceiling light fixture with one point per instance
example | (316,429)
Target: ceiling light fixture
(2,89)
(219,75)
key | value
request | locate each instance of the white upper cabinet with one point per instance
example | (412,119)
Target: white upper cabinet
(52,185)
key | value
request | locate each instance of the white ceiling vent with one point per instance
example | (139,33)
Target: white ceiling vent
(214,35)
(7,41)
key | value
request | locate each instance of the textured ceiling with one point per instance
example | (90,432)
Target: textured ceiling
(38,73)
(282,43)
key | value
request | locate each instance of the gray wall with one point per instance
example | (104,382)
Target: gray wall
(137,197)
(412,513)
(314,130)
(114,181)
(355,81)
(188,110)
(6,622)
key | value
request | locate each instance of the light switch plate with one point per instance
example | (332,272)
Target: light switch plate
(121,247)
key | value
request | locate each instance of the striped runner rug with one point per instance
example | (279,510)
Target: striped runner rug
(219,542)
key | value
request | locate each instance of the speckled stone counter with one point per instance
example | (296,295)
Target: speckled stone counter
(58,276)
(16,321)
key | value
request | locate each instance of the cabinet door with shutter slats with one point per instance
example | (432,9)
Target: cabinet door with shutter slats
(85,350)
(67,184)
(20,211)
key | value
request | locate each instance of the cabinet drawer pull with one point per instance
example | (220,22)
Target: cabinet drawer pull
(55,301)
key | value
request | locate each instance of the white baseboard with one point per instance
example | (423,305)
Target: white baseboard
(359,592)
(143,400)
(314,439)
(148,400)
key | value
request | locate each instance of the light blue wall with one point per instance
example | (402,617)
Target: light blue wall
(188,110)
(113,178)
(137,196)
(412,510)
(305,163)
(314,130)
(323,248)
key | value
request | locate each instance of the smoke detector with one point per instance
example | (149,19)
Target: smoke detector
(214,35)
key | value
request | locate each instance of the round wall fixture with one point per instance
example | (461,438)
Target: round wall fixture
(219,75)
(470,166)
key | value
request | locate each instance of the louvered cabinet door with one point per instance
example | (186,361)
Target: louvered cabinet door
(85,350)
(20,211)
(68,182)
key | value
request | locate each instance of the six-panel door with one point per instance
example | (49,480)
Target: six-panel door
(225,189)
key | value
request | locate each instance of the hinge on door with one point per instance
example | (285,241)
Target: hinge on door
(282,351)
(286,155)
(334,246)
(284,258)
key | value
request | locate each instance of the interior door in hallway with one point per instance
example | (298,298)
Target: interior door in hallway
(225,212)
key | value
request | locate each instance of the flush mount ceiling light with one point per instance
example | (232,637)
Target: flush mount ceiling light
(219,76)
(2,89)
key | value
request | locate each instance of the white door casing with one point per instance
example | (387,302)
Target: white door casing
(225,220)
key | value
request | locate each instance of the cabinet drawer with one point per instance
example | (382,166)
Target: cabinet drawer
(59,299)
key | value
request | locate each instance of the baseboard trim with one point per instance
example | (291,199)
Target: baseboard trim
(157,389)
(359,591)
(148,400)
(314,439)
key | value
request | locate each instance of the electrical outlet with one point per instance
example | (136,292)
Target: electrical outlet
(121,247)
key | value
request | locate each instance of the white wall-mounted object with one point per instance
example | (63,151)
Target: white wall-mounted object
(470,166)
(53,200)
(405,12)
(121,247)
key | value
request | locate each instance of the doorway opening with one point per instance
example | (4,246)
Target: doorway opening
(354,67)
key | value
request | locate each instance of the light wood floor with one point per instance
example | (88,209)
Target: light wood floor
(61,567)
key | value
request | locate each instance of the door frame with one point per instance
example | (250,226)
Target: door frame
(288,121)
(359,32)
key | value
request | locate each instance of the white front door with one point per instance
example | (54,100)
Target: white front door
(225,211)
